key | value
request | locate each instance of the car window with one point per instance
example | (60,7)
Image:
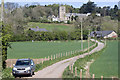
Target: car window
(23,62)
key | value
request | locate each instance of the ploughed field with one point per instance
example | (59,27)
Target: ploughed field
(42,49)
(106,64)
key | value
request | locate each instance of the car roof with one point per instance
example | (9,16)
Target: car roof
(23,59)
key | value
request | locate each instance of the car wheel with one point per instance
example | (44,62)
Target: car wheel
(33,73)
(15,76)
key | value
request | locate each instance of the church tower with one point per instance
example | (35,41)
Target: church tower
(62,12)
(89,0)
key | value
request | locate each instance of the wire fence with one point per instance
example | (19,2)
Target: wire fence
(10,62)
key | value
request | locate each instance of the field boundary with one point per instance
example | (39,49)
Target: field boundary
(10,62)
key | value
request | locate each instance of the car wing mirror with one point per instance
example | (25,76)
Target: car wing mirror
(32,64)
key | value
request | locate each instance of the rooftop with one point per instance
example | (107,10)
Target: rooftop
(38,29)
(100,33)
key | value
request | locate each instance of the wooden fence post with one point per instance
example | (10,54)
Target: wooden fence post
(42,60)
(61,54)
(48,58)
(45,58)
(101,77)
(75,71)
(66,53)
(72,69)
(37,61)
(93,76)
(11,63)
(80,74)
(58,55)
(51,57)
(112,78)
(7,64)
(86,75)
(54,56)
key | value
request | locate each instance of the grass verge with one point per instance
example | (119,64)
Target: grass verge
(80,64)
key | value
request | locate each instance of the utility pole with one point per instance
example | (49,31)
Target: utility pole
(89,41)
(81,36)
(105,41)
(2,10)
(96,34)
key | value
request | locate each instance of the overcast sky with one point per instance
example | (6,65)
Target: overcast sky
(60,0)
(74,3)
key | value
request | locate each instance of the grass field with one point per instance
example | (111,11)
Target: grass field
(51,27)
(42,49)
(107,64)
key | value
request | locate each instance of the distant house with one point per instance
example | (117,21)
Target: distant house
(38,29)
(104,34)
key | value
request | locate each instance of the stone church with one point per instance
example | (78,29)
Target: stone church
(63,16)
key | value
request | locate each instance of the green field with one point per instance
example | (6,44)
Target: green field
(51,27)
(42,49)
(107,64)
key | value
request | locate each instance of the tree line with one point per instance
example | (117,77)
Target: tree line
(48,36)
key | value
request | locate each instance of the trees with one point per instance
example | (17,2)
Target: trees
(6,36)
(88,8)
(114,12)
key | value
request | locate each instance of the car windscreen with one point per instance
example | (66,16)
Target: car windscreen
(23,62)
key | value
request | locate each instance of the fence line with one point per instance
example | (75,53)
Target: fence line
(86,74)
(37,61)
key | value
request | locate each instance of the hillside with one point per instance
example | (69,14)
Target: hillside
(109,24)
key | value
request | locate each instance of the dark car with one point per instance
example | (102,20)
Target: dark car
(23,67)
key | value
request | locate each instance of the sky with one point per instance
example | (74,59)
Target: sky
(74,3)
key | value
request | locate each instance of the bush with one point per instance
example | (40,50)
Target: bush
(6,73)
(68,22)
